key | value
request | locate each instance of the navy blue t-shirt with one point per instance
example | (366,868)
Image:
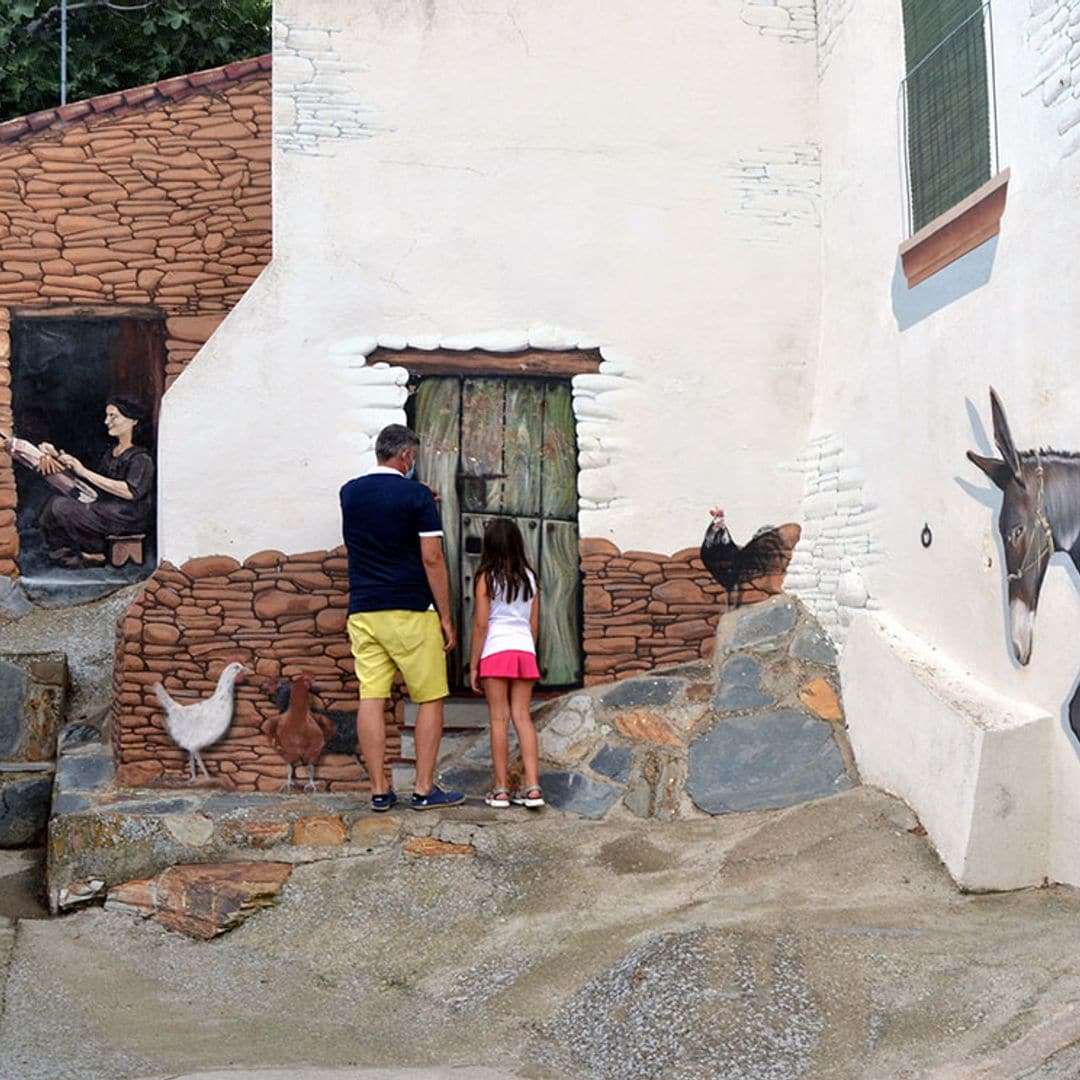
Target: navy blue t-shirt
(383,516)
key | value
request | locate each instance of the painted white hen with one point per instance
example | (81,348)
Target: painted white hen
(194,727)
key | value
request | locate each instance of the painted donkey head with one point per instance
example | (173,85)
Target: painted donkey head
(1025,529)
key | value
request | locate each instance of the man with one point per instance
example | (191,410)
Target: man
(399,610)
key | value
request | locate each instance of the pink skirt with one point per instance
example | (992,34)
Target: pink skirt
(510,664)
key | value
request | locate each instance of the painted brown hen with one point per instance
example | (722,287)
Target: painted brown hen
(299,735)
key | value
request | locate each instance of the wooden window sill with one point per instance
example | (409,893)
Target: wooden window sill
(961,229)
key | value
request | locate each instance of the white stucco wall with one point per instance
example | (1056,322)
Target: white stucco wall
(902,386)
(712,195)
(637,176)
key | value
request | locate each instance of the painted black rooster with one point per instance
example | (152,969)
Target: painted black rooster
(764,556)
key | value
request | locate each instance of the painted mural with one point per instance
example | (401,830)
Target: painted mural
(198,724)
(1040,515)
(132,223)
(498,441)
(764,556)
(305,729)
(85,393)
(283,616)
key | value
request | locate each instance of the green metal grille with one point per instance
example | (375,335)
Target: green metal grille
(947,103)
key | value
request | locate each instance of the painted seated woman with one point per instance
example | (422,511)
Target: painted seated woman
(77,532)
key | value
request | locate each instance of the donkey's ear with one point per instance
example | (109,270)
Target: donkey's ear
(1003,437)
(997,470)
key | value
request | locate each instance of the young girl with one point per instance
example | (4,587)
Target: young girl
(503,655)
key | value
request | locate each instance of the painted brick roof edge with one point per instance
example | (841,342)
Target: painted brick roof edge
(173,89)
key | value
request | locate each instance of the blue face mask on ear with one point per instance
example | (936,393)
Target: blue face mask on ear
(412,472)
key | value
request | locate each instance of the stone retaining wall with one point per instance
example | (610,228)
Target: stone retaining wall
(645,610)
(33,695)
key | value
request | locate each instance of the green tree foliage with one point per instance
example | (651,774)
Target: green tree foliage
(111,49)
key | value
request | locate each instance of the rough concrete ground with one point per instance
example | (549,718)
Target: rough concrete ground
(821,941)
(22,893)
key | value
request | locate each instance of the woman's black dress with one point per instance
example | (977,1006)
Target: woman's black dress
(68,523)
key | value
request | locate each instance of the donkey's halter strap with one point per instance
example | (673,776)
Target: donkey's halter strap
(1046,543)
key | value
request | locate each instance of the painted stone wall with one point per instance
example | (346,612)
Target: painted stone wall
(154,201)
(280,615)
(1052,30)
(284,615)
(645,610)
(159,195)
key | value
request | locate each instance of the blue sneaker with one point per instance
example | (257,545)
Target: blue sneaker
(381,803)
(435,798)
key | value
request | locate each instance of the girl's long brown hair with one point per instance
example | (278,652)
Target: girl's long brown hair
(503,564)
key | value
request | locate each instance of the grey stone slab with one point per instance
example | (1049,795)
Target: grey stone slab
(24,810)
(402,777)
(567,735)
(14,683)
(764,623)
(638,798)
(13,600)
(811,644)
(693,670)
(79,735)
(657,786)
(150,807)
(471,781)
(739,686)
(228,804)
(613,762)
(85,772)
(475,749)
(634,692)
(764,761)
(71,804)
(578,794)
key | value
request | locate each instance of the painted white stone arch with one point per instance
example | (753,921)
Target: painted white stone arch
(379,391)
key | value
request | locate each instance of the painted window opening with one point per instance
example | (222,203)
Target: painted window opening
(948,102)
(85,394)
(507,447)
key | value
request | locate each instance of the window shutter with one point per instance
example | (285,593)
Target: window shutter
(948,115)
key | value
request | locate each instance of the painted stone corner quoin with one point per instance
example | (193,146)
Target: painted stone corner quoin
(282,616)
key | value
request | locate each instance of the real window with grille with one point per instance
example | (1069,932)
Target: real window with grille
(948,106)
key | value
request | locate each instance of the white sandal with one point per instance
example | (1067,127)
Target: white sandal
(532,797)
(498,797)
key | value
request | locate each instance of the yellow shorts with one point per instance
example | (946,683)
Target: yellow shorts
(407,641)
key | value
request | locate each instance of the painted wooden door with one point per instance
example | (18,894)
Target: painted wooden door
(506,447)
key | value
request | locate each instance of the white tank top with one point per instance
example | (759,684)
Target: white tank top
(508,623)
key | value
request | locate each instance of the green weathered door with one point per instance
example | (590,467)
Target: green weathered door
(498,447)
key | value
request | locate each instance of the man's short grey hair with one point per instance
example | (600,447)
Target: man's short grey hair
(393,439)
